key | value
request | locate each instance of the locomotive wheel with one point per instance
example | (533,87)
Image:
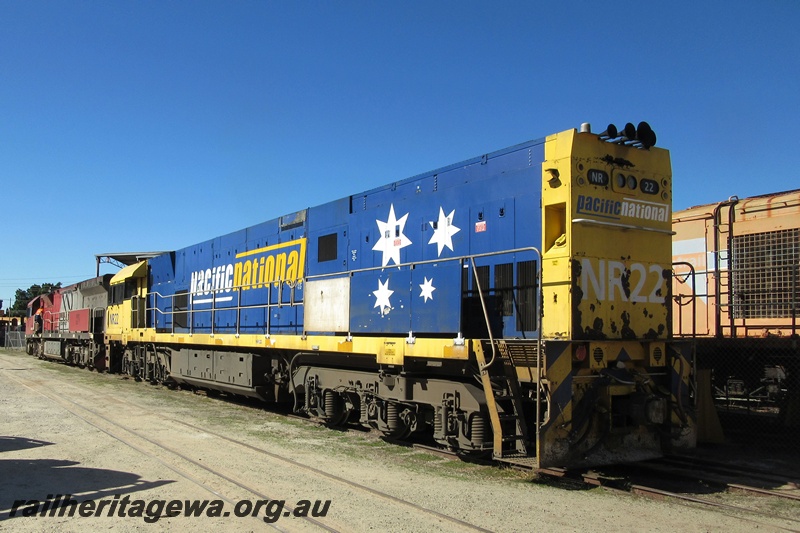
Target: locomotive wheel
(335,412)
(397,426)
(477,429)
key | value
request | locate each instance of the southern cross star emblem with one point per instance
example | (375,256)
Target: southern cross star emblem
(392,239)
(427,289)
(444,230)
(382,297)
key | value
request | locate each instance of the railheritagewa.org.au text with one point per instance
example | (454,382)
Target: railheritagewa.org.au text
(150,511)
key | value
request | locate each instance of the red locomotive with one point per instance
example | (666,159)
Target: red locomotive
(68,324)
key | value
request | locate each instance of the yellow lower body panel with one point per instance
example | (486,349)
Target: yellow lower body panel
(388,350)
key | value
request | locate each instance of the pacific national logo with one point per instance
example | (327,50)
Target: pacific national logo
(284,262)
(617,209)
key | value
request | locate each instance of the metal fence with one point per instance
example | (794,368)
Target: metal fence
(755,385)
(745,322)
(14,340)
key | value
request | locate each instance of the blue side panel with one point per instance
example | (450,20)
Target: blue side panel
(162,268)
(231,244)
(492,226)
(269,305)
(436,298)
(288,319)
(162,276)
(325,216)
(198,272)
(261,235)
(480,206)
(483,205)
(380,302)
(328,238)
(226,249)
(226,285)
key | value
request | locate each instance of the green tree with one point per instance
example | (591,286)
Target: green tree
(22,297)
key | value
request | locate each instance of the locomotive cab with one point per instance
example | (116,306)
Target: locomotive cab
(126,314)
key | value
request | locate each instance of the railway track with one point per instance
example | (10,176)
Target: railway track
(662,479)
(733,477)
(117,432)
(215,480)
(157,449)
(685,467)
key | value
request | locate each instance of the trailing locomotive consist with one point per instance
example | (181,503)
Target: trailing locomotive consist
(517,302)
(737,292)
(69,323)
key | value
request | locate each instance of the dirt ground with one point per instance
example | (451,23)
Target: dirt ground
(67,431)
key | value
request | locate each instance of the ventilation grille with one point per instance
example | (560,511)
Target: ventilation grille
(764,273)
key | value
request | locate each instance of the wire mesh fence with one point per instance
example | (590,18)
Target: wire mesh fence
(13,340)
(755,385)
(744,318)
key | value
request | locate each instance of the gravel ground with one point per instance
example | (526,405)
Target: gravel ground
(62,431)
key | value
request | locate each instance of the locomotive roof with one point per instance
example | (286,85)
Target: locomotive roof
(787,196)
(123,259)
(460,164)
(127,258)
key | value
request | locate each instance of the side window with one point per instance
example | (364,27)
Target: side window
(116,294)
(130,288)
(181,306)
(326,246)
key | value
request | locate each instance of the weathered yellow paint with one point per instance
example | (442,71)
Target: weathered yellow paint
(387,350)
(606,245)
(116,316)
(683,413)
(452,351)
(559,385)
(346,347)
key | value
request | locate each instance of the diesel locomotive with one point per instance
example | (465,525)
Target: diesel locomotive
(737,295)
(517,303)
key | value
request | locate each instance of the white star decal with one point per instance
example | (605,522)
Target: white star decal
(382,297)
(427,289)
(444,231)
(391,238)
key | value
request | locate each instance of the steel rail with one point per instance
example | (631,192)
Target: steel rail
(61,401)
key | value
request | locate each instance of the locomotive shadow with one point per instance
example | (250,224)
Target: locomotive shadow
(626,477)
(46,479)
(10,444)
(629,475)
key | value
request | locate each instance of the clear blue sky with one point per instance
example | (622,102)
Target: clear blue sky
(153,125)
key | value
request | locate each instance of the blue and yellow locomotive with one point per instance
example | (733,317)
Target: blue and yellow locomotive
(516,302)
